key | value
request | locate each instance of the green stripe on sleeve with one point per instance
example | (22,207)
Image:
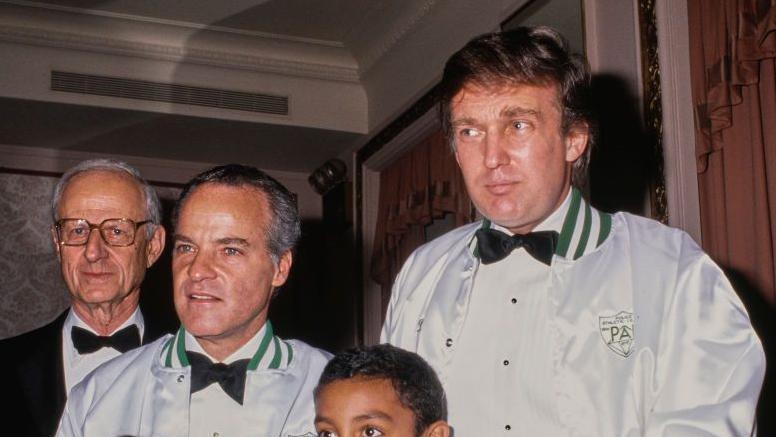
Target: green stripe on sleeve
(585,233)
(181,347)
(290,353)
(168,346)
(568,224)
(263,346)
(275,363)
(606,227)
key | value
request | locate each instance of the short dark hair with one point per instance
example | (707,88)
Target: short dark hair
(284,227)
(415,382)
(526,55)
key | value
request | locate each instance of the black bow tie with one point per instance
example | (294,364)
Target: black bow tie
(86,342)
(231,377)
(493,245)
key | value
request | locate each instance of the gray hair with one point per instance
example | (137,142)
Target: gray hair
(284,228)
(153,209)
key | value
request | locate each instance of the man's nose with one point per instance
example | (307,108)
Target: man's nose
(201,267)
(95,246)
(495,154)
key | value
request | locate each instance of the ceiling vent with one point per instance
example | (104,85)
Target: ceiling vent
(167,92)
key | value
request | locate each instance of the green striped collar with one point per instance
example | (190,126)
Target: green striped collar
(273,353)
(584,229)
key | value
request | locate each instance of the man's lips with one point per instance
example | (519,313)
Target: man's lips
(500,187)
(202,297)
(97,275)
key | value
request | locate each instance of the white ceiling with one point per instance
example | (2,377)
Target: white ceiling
(331,57)
(315,26)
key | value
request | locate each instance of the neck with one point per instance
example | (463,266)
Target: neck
(221,347)
(104,318)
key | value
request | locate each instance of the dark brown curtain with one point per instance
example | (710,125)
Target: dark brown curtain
(422,185)
(733,51)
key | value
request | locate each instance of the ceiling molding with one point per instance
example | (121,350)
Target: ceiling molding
(391,38)
(174,23)
(174,171)
(114,46)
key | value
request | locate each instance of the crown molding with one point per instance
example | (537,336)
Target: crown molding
(156,39)
(167,171)
(389,39)
(114,46)
(172,23)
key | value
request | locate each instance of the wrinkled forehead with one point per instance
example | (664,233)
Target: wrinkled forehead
(95,189)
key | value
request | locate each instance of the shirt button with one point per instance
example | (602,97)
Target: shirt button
(507,427)
(506,362)
(449,342)
(513,300)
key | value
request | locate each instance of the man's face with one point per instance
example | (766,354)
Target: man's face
(223,275)
(362,407)
(97,273)
(515,160)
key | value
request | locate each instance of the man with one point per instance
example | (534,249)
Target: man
(224,372)
(106,233)
(582,323)
(380,391)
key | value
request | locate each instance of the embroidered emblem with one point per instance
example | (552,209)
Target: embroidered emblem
(617,332)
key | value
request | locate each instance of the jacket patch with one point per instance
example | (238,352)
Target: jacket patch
(617,332)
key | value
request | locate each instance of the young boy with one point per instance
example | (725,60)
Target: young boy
(380,391)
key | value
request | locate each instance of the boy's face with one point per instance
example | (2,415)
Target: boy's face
(362,407)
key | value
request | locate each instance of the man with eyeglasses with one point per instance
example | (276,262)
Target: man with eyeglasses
(106,233)
(225,372)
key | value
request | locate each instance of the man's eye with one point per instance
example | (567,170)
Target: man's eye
(468,132)
(519,125)
(326,434)
(115,231)
(371,431)
(231,251)
(183,248)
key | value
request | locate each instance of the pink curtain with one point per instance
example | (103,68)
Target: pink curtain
(419,187)
(733,60)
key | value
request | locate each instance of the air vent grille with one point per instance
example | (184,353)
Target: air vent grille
(167,92)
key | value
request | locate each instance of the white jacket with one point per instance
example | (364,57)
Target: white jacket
(648,336)
(145,392)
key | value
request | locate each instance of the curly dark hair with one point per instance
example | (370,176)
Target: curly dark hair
(415,382)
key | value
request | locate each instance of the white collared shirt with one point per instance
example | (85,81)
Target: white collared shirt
(211,409)
(76,366)
(508,296)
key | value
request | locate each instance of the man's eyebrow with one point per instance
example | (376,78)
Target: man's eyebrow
(463,120)
(183,238)
(233,241)
(513,111)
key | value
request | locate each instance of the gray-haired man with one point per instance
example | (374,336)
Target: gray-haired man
(224,372)
(106,233)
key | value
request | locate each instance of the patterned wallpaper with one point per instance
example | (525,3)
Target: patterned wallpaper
(32,291)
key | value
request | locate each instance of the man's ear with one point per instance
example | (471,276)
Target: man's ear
(282,270)
(576,141)
(55,240)
(155,245)
(439,428)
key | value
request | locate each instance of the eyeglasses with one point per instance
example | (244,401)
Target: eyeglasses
(115,232)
